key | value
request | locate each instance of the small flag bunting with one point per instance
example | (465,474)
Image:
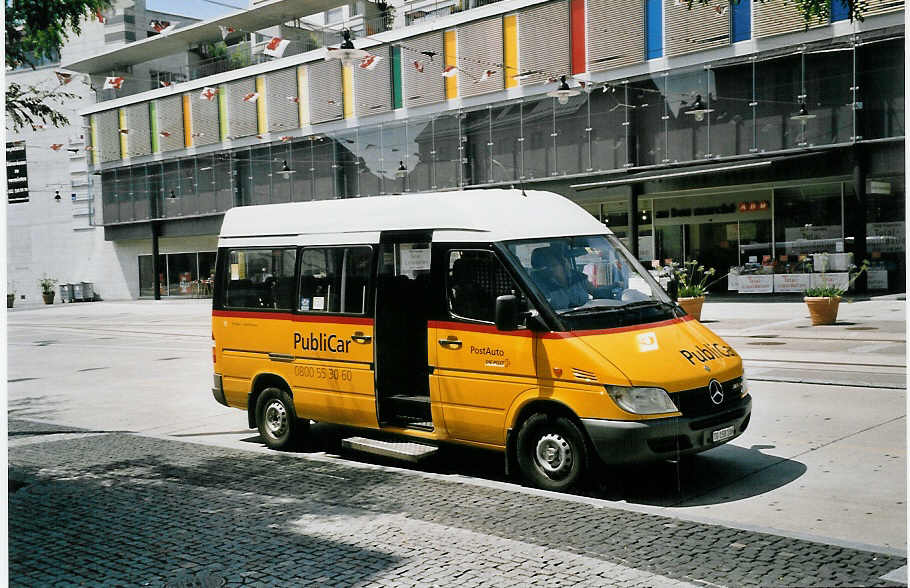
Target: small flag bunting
(99,16)
(418,66)
(286,138)
(124,131)
(486,75)
(276,47)
(56,146)
(449,71)
(369,62)
(63,77)
(225,31)
(208,94)
(113,83)
(163,27)
(165,84)
(294,99)
(164,134)
(251,97)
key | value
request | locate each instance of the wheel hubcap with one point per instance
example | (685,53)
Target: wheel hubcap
(276,418)
(553,454)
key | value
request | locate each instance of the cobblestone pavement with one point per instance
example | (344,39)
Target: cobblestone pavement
(120,509)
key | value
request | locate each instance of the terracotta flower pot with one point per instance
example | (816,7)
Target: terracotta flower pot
(822,309)
(692,306)
(48,297)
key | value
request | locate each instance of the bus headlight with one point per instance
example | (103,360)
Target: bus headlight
(641,400)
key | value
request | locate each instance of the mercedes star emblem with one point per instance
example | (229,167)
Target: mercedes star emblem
(715,392)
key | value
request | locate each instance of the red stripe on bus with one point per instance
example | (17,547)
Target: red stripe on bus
(297,318)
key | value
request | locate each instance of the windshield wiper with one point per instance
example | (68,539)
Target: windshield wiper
(606,309)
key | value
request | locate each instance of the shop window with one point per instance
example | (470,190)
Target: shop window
(475,280)
(181,274)
(147,275)
(335,279)
(260,278)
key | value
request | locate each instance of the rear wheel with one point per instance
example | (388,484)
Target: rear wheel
(278,424)
(551,452)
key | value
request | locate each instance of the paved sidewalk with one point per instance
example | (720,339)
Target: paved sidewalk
(121,509)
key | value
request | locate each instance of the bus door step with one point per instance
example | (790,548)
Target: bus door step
(404,450)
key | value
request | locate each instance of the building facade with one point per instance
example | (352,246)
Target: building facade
(51,226)
(732,134)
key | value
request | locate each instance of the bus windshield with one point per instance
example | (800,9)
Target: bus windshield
(591,281)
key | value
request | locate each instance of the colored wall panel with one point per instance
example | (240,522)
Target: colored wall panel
(124,144)
(840,10)
(577,24)
(510,49)
(96,147)
(222,113)
(654,33)
(742,20)
(347,91)
(261,118)
(303,91)
(187,122)
(395,65)
(449,45)
(153,126)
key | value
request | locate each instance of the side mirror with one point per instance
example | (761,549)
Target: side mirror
(507,312)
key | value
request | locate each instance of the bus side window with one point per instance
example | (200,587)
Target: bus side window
(475,279)
(335,279)
(261,278)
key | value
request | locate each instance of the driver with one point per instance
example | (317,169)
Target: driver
(562,285)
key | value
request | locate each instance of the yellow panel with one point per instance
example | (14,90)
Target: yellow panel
(510,49)
(187,122)
(124,149)
(260,105)
(96,156)
(303,96)
(448,41)
(347,90)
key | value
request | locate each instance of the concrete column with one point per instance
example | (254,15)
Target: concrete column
(859,215)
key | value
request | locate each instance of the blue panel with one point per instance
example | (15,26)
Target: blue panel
(654,33)
(742,20)
(839,10)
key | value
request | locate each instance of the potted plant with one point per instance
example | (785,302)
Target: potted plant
(823,301)
(692,284)
(47,289)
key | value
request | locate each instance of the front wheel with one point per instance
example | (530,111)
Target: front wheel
(551,452)
(278,424)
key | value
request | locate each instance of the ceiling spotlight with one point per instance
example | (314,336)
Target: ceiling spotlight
(803,114)
(346,52)
(285,170)
(402,171)
(172,195)
(57,195)
(564,92)
(699,110)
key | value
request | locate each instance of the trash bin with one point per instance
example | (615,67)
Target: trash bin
(77,291)
(66,292)
(88,291)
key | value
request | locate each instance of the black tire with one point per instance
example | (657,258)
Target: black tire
(551,452)
(277,420)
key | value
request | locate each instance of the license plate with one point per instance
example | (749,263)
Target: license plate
(722,434)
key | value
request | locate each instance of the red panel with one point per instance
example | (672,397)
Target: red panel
(577,27)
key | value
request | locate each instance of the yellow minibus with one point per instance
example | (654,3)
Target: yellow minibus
(503,319)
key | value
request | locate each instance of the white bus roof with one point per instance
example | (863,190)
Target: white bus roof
(457,216)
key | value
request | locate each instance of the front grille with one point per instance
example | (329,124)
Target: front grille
(697,402)
(713,421)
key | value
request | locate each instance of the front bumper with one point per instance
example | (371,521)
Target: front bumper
(622,442)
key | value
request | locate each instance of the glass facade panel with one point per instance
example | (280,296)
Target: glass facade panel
(777,88)
(124,194)
(539,145)
(261,165)
(369,161)
(829,96)
(302,182)
(170,185)
(880,76)
(648,126)
(243,177)
(732,122)
(324,166)
(572,152)
(477,146)
(421,155)
(189,201)
(688,97)
(394,154)
(505,127)
(222,174)
(446,142)
(609,112)
(155,190)
(139,190)
(205,183)
(281,181)
(110,208)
